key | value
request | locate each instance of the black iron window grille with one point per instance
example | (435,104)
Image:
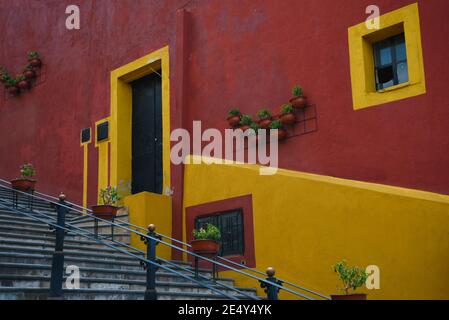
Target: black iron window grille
(103,131)
(390,57)
(85,135)
(230,224)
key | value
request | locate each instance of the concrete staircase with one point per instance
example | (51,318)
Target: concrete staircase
(26,248)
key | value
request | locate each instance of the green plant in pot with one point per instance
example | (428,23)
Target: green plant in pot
(234,117)
(206,241)
(287,116)
(22,82)
(109,197)
(281,132)
(3,74)
(25,182)
(34,58)
(11,85)
(245,122)
(352,278)
(298,100)
(28,72)
(265,117)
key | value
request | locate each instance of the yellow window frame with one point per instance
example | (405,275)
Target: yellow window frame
(361,55)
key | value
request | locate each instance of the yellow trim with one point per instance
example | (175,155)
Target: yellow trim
(361,38)
(85,146)
(103,158)
(121,108)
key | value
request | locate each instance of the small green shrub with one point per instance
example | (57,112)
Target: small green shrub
(264,114)
(27,171)
(352,277)
(20,77)
(33,55)
(275,125)
(11,82)
(211,232)
(246,120)
(286,108)
(234,112)
(109,196)
(297,91)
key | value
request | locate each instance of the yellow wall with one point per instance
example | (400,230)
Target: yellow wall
(148,208)
(304,223)
(103,161)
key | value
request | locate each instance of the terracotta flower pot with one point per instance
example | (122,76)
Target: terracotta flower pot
(282,134)
(106,212)
(13,90)
(265,123)
(234,121)
(23,184)
(244,128)
(343,297)
(288,118)
(29,74)
(299,102)
(35,62)
(207,248)
(24,85)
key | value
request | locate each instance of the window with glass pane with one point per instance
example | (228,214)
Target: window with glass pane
(230,224)
(391,62)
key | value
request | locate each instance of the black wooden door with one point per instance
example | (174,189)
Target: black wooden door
(147,135)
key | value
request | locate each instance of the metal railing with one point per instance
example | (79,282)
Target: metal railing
(151,263)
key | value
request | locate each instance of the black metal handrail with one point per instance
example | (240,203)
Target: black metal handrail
(271,284)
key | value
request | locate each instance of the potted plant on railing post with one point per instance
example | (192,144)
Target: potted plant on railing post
(11,86)
(107,210)
(29,73)
(206,241)
(299,100)
(287,116)
(34,58)
(352,278)
(22,82)
(25,182)
(265,118)
(281,132)
(245,122)
(234,117)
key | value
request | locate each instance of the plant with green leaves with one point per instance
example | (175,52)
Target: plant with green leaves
(246,120)
(33,55)
(264,114)
(209,232)
(352,277)
(287,108)
(109,196)
(234,112)
(297,91)
(20,77)
(10,82)
(27,171)
(5,78)
(275,125)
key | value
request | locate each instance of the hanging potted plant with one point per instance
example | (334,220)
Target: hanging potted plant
(29,73)
(34,59)
(206,241)
(245,122)
(352,278)
(107,210)
(11,85)
(298,100)
(281,132)
(26,181)
(265,117)
(234,117)
(22,82)
(287,116)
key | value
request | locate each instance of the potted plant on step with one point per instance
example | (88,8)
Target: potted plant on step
(352,278)
(265,117)
(205,241)
(245,122)
(11,86)
(109,198)
(34,58)
(298,100)
(22,82)
(287,116)
(29,73)
(25,182)
(234,117)
(281,132)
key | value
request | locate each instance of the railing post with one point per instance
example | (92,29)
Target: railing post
(150,292)
(271,290)
(57,267)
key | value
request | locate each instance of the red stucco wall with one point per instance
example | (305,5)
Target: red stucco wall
(244,53)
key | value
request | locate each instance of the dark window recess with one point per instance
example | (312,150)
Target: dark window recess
(230,224)
(390,57)
(103,131)
(85,135)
